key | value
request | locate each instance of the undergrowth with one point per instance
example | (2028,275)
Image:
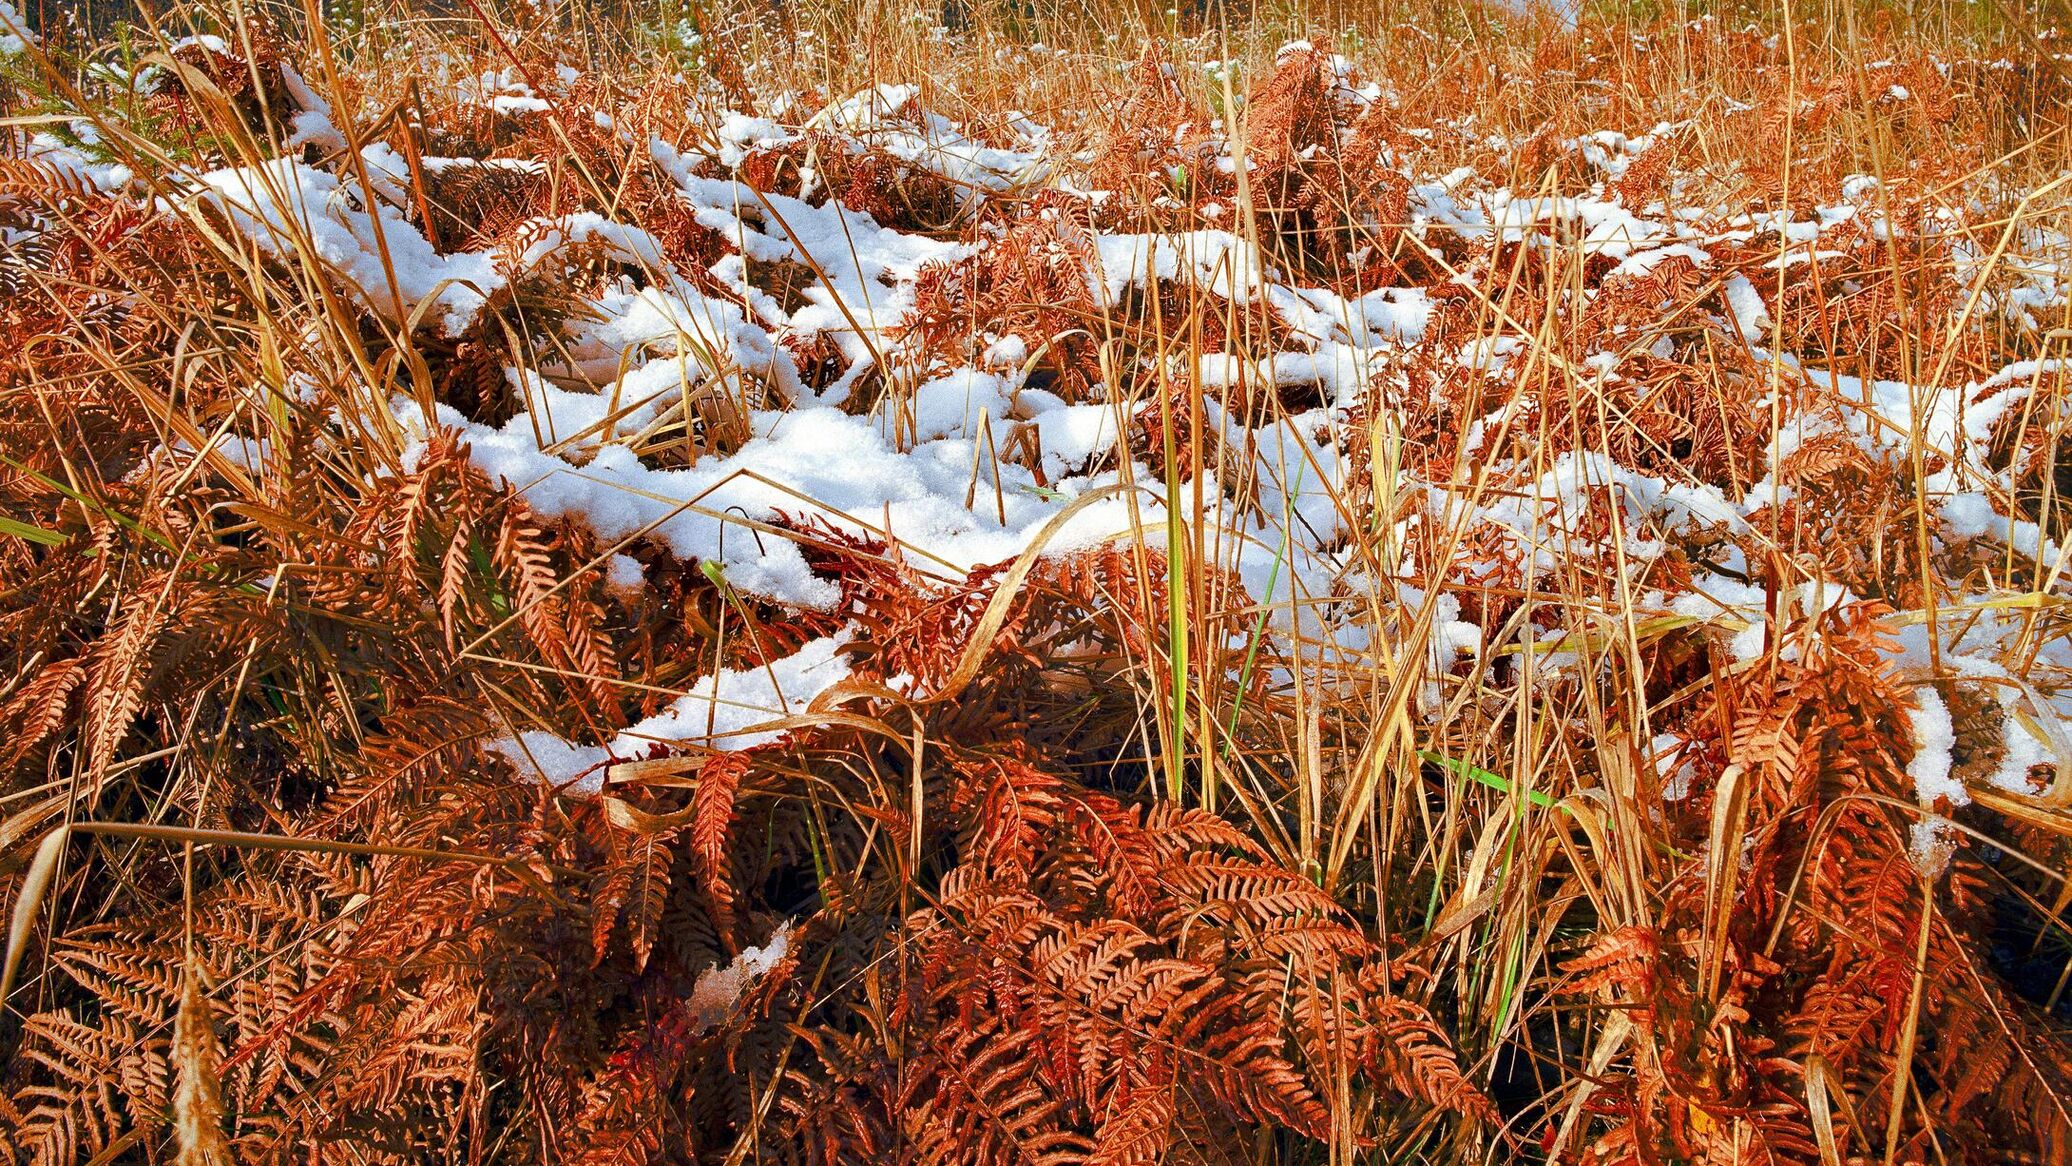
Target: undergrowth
(826,585)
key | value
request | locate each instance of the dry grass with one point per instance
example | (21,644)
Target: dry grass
(514,651)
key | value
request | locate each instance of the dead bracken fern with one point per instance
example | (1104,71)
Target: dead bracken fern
(1485,591)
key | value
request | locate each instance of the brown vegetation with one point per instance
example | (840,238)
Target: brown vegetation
(1481,816)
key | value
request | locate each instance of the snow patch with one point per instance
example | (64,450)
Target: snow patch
(717,995)
(723,711)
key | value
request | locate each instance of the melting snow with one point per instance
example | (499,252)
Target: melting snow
(717,996)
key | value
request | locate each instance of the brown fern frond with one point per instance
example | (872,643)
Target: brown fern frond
(712,817)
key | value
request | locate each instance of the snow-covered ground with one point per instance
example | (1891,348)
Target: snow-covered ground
(931,477)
